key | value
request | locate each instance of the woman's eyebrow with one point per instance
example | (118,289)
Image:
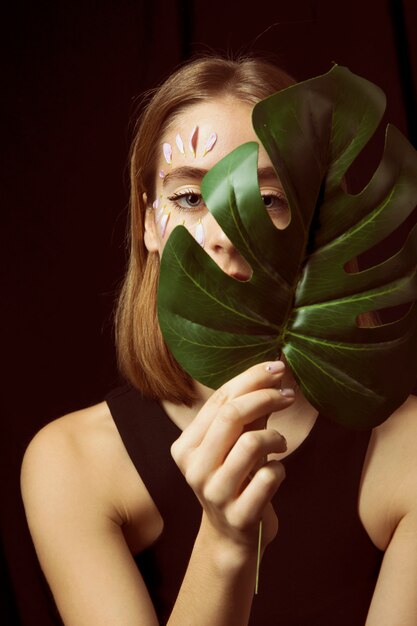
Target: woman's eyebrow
(183,173)
(186,172)
(268,172)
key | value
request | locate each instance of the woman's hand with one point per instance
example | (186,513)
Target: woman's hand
(225,462)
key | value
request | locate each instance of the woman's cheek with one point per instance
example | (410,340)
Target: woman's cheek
(167,218)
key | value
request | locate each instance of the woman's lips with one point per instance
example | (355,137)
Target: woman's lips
(240,276)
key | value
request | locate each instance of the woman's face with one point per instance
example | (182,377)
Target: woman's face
(196,140)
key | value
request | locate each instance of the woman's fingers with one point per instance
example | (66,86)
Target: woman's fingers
(244,512)
(222,448)
(262,376)
(224,430)
(232,419)
(250,451)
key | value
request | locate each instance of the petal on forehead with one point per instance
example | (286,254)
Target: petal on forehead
(193,140)
(210,143)
(166,147)
(180,143)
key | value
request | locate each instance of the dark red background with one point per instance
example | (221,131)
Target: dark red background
(71,76)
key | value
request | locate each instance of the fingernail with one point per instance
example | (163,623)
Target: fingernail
(288,393)
(275,367)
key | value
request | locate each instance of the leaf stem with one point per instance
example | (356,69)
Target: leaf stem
(258,560)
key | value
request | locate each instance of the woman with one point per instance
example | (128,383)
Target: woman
(100,486)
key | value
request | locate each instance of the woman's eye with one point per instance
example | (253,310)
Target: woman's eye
(273,202)
(192,199)
(278,210)
(187,200)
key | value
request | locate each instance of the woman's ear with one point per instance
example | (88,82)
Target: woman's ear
(150,238)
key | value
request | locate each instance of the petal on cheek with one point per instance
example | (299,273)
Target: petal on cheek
(159,214)
(163,224)
(199,233)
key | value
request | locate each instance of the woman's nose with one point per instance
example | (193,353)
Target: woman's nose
(223,252)
(216,239)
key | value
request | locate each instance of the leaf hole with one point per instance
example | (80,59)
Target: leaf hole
(277,207)
(282,220)
(380,317)
(366,162)
(384,249)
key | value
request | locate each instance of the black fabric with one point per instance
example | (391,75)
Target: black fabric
(322,567)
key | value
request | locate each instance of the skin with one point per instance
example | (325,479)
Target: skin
(89,511)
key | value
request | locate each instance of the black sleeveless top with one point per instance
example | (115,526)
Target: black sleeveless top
(320,570)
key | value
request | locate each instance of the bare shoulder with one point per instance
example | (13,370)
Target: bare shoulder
(80,448)
(389,486)
(394,443)
(81,436)
(77,465)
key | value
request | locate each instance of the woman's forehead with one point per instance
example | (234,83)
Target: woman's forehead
(206,132)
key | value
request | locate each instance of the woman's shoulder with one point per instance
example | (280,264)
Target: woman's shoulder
(78,462)
(80,441)
(389,486)
(76,431)
(395,439)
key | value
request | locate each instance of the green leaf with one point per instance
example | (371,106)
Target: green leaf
(300,301)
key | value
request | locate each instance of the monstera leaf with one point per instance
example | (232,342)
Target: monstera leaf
(300,300)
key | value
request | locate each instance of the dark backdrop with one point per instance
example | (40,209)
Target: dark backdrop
(71,76)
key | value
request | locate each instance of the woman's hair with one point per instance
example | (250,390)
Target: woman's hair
(143,357)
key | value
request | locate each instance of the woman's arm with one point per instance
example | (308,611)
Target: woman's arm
(391,486)
(217,454)
(83,498)
(79,487)
(395,598)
